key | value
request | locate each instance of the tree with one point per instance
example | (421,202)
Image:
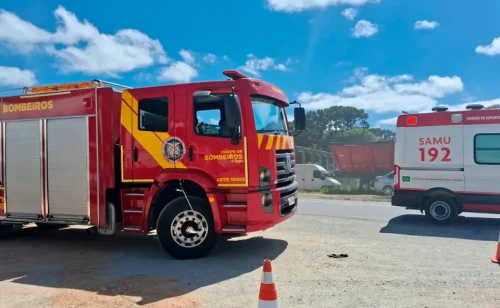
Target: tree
(325,126)
(383,134)
(357,135)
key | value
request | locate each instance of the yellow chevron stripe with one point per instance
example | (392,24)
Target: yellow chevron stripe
(148,140)
(270,141)
(278,142)
(260,137)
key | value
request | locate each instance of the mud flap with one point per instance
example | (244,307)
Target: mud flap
(110,228)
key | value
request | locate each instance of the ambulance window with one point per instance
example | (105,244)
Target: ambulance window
(153,114)
(487,149)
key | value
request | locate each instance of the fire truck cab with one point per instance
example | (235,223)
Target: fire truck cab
(191,161)
(448,162)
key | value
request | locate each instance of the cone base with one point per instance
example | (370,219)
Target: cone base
(268,304)
(494,259)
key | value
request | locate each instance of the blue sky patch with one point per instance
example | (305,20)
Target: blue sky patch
(384,56)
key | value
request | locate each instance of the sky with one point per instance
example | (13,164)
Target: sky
(384,56)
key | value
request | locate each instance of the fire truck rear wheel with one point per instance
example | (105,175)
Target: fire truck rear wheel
(186,233)
(441,210)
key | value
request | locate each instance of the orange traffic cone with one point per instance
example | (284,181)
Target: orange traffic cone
(268,297)
(495,258)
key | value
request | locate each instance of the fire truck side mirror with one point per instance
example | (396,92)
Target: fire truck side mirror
(232,112)
(299,118)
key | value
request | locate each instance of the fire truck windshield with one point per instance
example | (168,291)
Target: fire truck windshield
(269,117)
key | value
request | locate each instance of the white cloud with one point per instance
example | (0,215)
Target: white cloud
(210,58)
(226,58)
(19,34)
(14,76)
(492,49)
(426,25)
(435,86)
(178,72)
(254,65)
(350,13)
(382,94)
(364,28)
(293,6)
(187,56)
(386,122)
(84,48)
(485,103)
(214,121)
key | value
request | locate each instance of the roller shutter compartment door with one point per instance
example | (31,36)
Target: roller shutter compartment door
(67,168)
(23,168)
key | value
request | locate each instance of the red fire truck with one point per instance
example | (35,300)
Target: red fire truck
(447,162)
(191,161)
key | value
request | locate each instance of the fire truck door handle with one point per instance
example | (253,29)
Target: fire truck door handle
(190,153)
(135,154)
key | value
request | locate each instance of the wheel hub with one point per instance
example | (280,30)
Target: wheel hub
(440,210)
(189,229)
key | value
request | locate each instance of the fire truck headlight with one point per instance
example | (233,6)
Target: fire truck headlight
(267,201)
(265,176)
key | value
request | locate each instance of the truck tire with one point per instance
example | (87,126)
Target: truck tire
(388,190)
(441,210)
(177,220)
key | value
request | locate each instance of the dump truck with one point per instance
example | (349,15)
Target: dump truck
(191,161)
(364,161)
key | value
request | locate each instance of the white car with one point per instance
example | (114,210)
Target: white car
(313,177)
(385,183)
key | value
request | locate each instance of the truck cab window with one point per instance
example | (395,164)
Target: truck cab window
(209,118)
(487,149)
(153,114)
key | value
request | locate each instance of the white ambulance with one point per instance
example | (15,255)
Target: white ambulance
(448,162)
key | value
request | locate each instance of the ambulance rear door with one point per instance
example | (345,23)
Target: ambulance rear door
(433,154)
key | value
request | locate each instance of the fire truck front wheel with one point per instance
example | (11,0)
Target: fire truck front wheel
(187,233)
(441,209)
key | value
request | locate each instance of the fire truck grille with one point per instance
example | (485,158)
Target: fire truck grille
(285,168)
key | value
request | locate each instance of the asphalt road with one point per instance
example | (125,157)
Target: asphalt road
(396,259)
(367,210)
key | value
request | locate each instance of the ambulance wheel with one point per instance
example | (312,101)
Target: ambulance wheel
(186,233)
(388,190)
(441,210)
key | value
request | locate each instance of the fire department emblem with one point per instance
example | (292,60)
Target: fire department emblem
(173,149)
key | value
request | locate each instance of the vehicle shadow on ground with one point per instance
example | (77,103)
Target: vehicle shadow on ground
(470,228)
(127,265)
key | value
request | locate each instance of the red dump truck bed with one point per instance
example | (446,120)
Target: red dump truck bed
(364,159)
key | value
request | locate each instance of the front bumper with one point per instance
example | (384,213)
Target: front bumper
(284,205)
